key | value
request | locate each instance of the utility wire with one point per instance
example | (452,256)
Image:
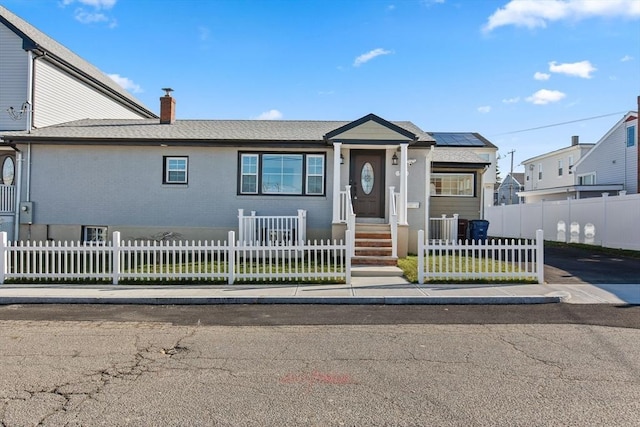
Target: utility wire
(560,124)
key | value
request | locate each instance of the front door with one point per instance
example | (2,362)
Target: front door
(366,178)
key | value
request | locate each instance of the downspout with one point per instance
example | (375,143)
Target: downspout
(16,223)
(482,192)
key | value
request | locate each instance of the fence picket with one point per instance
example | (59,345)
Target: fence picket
(475,259)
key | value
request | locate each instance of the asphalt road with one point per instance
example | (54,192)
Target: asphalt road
(141,373)
(283,315)
(571,265)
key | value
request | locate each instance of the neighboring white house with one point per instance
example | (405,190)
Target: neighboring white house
(612,165)
(507,191)
(551,176)
(146,177)
(43,83)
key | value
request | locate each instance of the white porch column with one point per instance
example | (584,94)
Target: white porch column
(404,171)
(336,181)
(427,196)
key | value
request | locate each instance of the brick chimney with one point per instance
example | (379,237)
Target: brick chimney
(575,139)
(167,107)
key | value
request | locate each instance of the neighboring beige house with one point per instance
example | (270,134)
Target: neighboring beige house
(43,83)
(551,176)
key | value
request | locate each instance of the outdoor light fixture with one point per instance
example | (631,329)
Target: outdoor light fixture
(394,160)
(341,159)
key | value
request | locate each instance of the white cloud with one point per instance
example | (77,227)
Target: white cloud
(93,12)
(126,83)
(85,17)
(541,76)
(577,69)
(511,100)
(626,58)
(366,57)
(270,115)
(98,4)
(537,14)
(546,96)
(484,109)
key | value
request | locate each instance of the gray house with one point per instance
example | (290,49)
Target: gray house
(43,83)
(196,178)
(506,192)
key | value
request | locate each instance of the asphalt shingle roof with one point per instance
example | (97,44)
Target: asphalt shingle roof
(194,130)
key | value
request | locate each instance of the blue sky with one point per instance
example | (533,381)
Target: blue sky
(497,67)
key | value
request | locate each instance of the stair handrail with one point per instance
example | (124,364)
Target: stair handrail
(351,220)
(393,220)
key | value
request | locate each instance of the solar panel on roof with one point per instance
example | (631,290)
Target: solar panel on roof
(463,139)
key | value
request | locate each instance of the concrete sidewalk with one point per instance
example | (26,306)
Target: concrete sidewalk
(362,290)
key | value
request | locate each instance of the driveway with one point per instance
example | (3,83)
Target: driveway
(570,265)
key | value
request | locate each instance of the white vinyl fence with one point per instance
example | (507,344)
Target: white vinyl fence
(134,262)
(608,221)
(508,259)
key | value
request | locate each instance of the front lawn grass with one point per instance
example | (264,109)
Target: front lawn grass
(409,266)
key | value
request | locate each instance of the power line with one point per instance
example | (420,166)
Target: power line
(560,124)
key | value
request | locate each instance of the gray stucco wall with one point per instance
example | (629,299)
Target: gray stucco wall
(122,186)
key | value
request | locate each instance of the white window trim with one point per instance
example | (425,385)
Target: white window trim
(465,174)
(581,176)
(309,174)
(256,174)
(99,230)
(167,170)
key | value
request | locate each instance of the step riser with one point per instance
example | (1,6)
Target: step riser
(373,243)
(374,261)
(373,252)
(378,236)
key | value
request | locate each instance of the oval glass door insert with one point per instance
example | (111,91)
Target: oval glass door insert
(7,171)
(367,178)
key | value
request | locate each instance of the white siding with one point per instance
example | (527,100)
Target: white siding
(550,176)
(607,159)
(14,65)
(60,97)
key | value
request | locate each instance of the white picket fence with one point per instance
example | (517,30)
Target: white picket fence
(481,260)
(135,261)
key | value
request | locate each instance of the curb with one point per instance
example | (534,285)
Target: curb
(486,300)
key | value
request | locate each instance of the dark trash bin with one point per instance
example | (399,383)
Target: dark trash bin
(463,229)
(478,229)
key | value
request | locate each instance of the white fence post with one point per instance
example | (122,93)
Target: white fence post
(302,226)
(241,225)
(347,256)
(540,255)
(231,256)
(115,257)
(421,255)
(3,256)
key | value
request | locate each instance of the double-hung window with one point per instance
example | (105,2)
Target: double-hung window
(560,168)
(282,174)
(175,170)
(452,184)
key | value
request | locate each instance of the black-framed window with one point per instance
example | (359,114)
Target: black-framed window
(94,234)
(296,174)
(453,184)
(175,170)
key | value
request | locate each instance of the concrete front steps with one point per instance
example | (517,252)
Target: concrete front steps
(373,249)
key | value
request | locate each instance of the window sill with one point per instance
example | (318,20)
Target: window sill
(165,185)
